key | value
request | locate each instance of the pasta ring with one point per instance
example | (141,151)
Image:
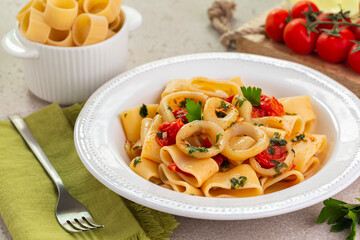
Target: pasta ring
(89,29)
(118,4)
(61,14)
(262,141)
(210,113)
(279,184)
(33,26)
(271,171)
(215,132)
(173,101)
(214,88)
(106,8)
(23,11)
(60,38)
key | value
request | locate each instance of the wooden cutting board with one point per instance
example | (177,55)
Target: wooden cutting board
(261,45)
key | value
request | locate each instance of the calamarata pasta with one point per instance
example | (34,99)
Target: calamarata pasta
(218,138)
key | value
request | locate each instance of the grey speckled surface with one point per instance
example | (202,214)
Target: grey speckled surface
(172,28)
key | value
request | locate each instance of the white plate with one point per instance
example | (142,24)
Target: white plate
(99,138)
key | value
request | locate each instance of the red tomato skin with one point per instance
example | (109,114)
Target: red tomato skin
(297,38)
(356,31)
(206,143)
(181,114)
(171,129)
(324,18)
(302,6)
(264,157)
(354,59)
(275,24)
(335,49)
(219,159)
(229,99)
(269,106)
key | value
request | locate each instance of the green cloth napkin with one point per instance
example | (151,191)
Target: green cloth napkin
(28,197)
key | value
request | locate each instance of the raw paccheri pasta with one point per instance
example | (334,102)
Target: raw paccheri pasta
(67,23)
(218,138)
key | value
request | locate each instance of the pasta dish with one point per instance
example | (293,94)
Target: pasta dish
(218,138)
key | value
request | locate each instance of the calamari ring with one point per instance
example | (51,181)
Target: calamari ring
(210,113)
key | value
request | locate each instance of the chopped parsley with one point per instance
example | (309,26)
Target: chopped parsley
(276,140)
(260,125)
(271,151)
(168,107)
(293,150)
(137,160)
(193,149)
(231,124)
(143,111)
(218,137)
(280,121)
(136,147)
(183,104)
(300,137)
(278,165)
(237,183)
(224,166)
(290,113)
(276,175)
(125,115)
(159,134)
(252,94)
(223,105)
(239,101)
(194,110)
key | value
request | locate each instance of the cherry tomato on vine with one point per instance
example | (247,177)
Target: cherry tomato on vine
(356,31)
(354,57)
(275,23)
(296,37)
(302,6)
(334,49)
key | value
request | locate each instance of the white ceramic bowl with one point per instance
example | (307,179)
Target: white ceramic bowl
(71,74)
(99,137)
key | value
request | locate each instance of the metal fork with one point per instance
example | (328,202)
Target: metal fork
(70,213)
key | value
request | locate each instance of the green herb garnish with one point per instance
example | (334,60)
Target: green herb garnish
(237,183)
(136,147)
(220,114)
(194,110)
(239,101)
(143,111)
(224,166)
(223,105)
(276,140)
(278,165)
(218,137)
(137,160)
(193,149)
(168,107)
(183,103)
(231,124)
(290,113)
(125,115)
(252,94)
(298,137)
(341,215)
(271,151)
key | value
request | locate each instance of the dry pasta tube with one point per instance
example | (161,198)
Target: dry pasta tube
(175,85)
(194,171)
(106,8)
(61,14)
(122,21)
(33,26)
(177,100)
(176,183)
(150,148)
(214,88)
(38,5)
(146,169)
(114,24)
(220,112)
(118,4)
(23,11)
(270,172)
(220,185)
(110,33)
(80,6)
(245,129)
(216,136)
(283,181)
(60,38)
(89,29)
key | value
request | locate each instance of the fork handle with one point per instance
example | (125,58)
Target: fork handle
(29,138)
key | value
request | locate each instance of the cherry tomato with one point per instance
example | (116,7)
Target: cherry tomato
(297,38)
(229,99)
(170,130)
(206,143)
(326,17)
(302,6)
(356,31)
(173,167)
(335,49)
(181,113)
(219,159)
(269,106)
(354,58)
(275,24)
(264,157)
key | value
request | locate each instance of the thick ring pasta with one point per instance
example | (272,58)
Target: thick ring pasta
(23,11)
(283,181)
(220,185)
(177,100)
(193,171)
(273,171)
(61,14)
(106,8)
(220,112)
(89,29)
(60,38)
(146,169)
(175,85)
(216,137)
(214,88)
(33,26)
(245,129)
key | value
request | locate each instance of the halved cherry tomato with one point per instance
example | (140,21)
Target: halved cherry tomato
(335,49)
(171,129)
(173,167)
(181,113)
(275,24)
(354,58)
(219,159)
(269,106)
(229,99)
(206,143)
(302,6)
(297,38)
(264,157)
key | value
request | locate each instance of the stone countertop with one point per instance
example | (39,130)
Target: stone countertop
(173,28)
